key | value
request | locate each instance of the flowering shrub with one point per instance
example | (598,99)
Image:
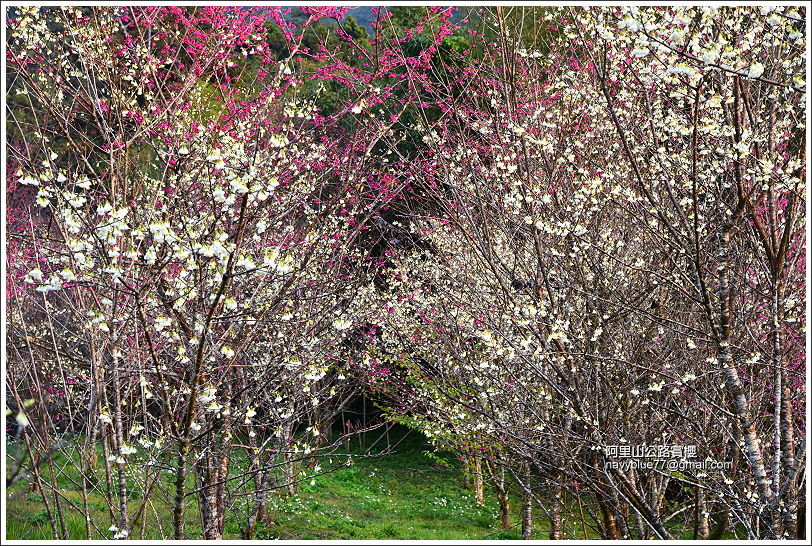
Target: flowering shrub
(533,234)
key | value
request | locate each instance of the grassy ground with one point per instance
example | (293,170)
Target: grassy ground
(412,493)
(403,495)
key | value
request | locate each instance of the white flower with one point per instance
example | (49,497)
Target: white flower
(209,394)
(227,351)
(710,57)
(76,201)
(161,231)
(341,324)
(21,419)
(35,275)
(150,256)
(42,197)
(756,71)
(656,386)
(162,322)
(238,186)
(29,181)
(246,262)
(54,283)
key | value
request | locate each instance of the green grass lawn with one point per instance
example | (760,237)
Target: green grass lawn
(402,495)
(412,493)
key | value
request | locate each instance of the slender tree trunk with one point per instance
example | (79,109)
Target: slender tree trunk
(212,474)
(778,405)
(60,516)
(784,450)
(701,530)
(289,467)
(208,497)
(504,509)
(262,502)
(610,527)
(788,439)
(90,451)
(720,524)
(527,505)
(118,436)
(734,384)
(108,473)
(180,489)
(556,526)
(479,486)
(800,530)
(502,493)
(260,511)
(466,475)
(222,453)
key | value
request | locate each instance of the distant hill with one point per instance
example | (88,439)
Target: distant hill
(364,16)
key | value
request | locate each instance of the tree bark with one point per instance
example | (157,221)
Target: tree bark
(556,527)
(527,506)
(701,529)
(734,384)
(502,493)
(180,487)
(289,467)
(479,486)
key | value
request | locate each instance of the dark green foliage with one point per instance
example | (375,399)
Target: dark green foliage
(355,30)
